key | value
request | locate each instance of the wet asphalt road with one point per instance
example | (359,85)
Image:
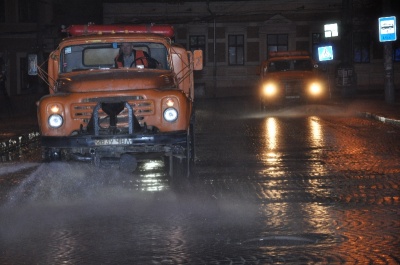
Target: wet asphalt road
(300,185)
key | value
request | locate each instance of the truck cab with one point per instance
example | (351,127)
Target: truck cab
(99,112)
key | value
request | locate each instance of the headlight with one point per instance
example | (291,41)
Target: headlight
(269,89)
(315,89)
(170,114)
(55,120)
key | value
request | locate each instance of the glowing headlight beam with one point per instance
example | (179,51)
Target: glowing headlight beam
(315,89)
(55,121)
(170,114)
(269,89)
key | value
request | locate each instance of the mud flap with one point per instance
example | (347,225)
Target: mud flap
(182,166)
(127,163)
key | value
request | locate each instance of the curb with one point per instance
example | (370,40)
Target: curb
(380,118)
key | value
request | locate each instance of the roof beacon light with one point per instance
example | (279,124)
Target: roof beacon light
(77,30)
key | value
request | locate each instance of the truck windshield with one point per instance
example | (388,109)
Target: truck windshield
(104,55)
(290,65)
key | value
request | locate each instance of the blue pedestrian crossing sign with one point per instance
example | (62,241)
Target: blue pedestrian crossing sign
(387,29)
(325,53)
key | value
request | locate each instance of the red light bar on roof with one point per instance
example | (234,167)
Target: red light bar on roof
(77,30)
(288,53)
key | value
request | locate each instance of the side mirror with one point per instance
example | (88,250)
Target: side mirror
(262,69)
(32,64)
(198,59)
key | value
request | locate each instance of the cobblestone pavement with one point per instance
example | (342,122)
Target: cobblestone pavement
(268,189)
(376,109)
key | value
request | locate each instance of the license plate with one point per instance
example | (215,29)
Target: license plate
(292,96)
(118,141)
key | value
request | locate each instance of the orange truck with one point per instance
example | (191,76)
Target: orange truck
(113,116)
(291,76)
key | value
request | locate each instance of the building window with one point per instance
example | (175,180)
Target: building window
(236,49)
(2,11)
(198,42)
(23,65)
(27,11)
(277,42)
(361,43)
(396,51)
(316,42)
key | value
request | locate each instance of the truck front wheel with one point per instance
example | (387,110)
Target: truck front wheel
(51,154)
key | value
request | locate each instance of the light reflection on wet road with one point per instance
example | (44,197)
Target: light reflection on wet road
(269,188)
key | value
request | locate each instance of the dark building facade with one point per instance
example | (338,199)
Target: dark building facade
(237,35)
(234,35)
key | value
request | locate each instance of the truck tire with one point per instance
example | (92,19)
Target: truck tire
(49,155)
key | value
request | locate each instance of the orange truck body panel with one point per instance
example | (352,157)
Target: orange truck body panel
(78,113)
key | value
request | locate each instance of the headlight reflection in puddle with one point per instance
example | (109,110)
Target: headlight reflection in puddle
(154,177)
(270,156)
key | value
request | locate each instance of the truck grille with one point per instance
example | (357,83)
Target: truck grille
(293,87)
(141,108)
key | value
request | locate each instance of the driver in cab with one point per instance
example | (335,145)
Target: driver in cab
(129,57)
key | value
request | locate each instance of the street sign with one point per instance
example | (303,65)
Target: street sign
(387,29)
(325,53)
(331,30)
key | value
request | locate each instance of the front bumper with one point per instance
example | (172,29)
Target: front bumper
(89,147)
(128,141)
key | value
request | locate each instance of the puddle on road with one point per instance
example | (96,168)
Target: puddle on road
(303,111)
(75,213)
(60,194)
(286,240)
(62,181)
